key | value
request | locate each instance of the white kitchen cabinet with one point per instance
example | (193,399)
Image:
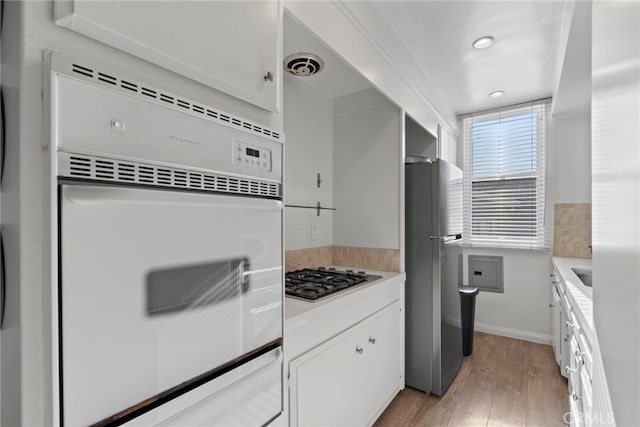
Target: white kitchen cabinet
(349,379)
(576,357)
(231,46)
(447,145)
(565,336)
(556,307)
(586,385)
(573,370)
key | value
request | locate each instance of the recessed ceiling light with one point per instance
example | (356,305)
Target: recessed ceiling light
(496,94)
(483,42)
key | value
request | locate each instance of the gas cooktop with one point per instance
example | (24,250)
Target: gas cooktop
(312,285)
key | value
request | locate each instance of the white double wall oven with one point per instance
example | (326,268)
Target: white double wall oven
(167,272)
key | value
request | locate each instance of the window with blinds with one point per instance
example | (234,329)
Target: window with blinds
(504,177)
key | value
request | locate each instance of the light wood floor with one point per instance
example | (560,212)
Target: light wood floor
(505,382)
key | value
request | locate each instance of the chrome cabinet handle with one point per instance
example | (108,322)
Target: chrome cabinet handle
(575,397)
(372,340)
(268,77)
(359,350)
(569,370)
(570,325)
(566,339)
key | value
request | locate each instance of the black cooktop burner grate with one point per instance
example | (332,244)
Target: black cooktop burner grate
(311,285)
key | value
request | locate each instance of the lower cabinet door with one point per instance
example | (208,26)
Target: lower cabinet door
(383,364)
(348,379)
(555,323)
(565,334)
(586,398)
(576,414)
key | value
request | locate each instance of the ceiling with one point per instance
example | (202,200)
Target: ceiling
(522,62)
(337,78)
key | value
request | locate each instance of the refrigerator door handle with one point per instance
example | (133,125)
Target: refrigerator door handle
(447,238)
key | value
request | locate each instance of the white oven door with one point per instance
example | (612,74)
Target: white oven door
(158,288)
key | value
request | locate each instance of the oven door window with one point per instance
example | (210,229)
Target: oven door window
(196,286)
(158,288)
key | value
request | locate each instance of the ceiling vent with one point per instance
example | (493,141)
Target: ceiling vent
(303,64)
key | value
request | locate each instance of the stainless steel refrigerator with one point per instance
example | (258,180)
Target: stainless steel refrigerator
(433,242)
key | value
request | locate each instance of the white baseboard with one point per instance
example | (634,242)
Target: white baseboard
(506,332)
(513,333)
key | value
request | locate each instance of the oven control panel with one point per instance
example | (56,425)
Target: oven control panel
(251,156)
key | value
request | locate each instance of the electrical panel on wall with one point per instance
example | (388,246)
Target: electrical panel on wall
(487,273)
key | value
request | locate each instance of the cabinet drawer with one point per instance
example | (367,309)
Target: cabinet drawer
(565,305)
(556,280)
(573,369)
(348,379)
(587,356)
(573,324)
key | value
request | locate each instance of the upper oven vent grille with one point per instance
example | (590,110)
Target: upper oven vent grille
(114,170)
(179,103)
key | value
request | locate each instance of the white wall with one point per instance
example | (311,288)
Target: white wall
(569,159)
(367,167)
(308,126)
(572,91)
(616,200)
(522,311)
(419,142)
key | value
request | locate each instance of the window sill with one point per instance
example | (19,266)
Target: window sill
(505,247)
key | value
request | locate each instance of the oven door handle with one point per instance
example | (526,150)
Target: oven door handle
(103,194)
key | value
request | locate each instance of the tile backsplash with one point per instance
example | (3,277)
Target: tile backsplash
(371,258)
(349,256)
(308,258)
(572,230)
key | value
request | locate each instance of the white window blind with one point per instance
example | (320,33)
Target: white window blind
(504,177)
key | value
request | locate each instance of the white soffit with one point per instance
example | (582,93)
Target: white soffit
(572,93)
(337,78)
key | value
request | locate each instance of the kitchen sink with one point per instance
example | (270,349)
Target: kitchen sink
(585,275)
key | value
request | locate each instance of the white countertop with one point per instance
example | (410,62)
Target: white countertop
(580,296)
(295,308)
